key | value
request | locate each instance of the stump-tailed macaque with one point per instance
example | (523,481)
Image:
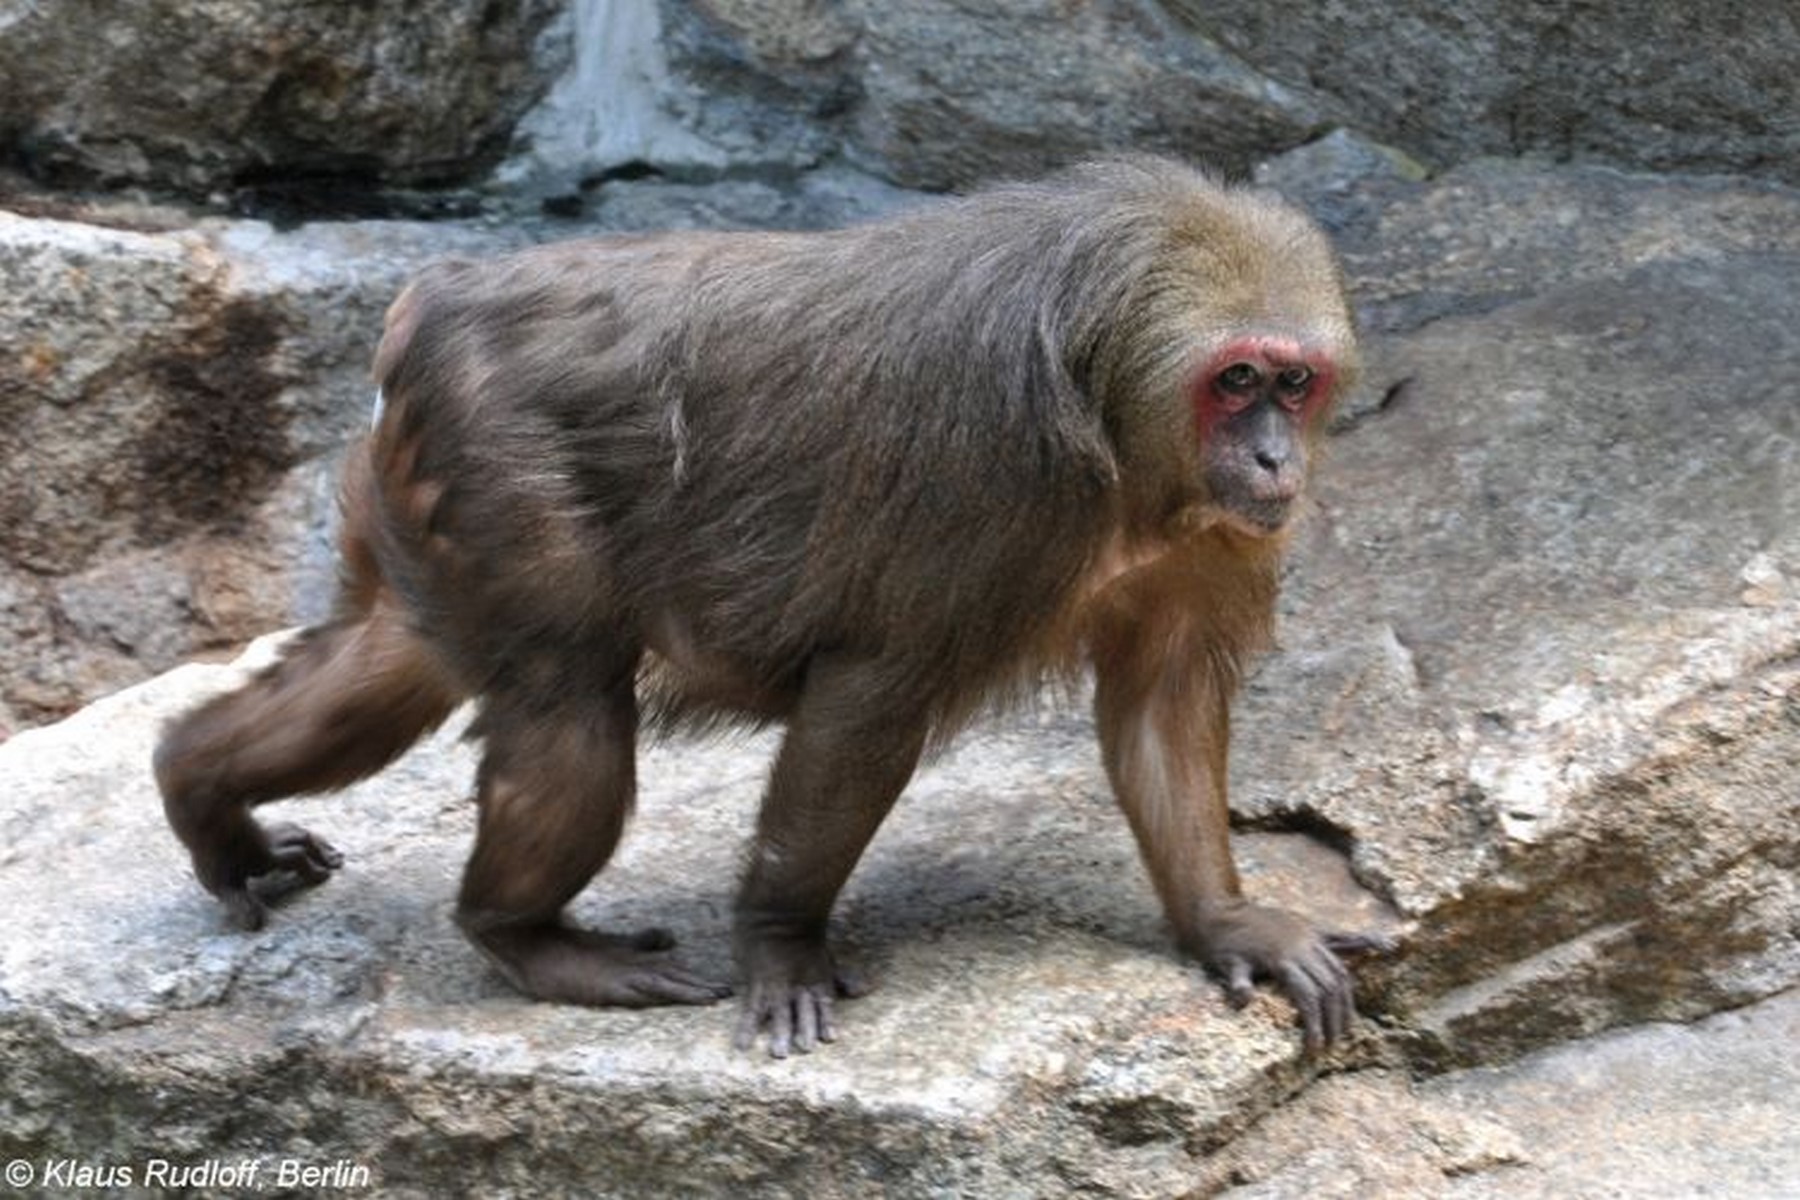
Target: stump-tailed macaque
(865,483)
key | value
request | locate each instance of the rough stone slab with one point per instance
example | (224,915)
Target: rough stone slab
(206,97)
(1661,1110)
(937,92)
(1494,232)
(171,400)
(954,93)
(1032,1032)
(1541,641)
(1657,86)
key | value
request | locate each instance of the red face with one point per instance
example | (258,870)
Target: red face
(1253,401)
(1249,370)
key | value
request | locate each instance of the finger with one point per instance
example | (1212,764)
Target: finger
(696,982)
(827,1019)
(806,1022)
(679,987)
(307,870)
(1343,1011)
(1334,1007)
(282,881)
(1361,943)
(750,1019)
(781,1028)
(1239,983)
(1305,997)
(1335,994)
(244,910)
(287,839)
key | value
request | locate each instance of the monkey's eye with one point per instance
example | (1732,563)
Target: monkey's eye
(1240,377)
(1294,379)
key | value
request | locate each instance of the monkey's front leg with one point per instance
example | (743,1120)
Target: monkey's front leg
(1164,731)
(843,763)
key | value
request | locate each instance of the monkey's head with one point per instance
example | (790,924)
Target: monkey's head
(1258,401)
(1242,341)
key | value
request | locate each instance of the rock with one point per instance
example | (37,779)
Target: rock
(1659,1110)
(1641,83)
(821,199)
(141,403)
(1496,232)
(1343,180)
(940,94)
(315,106)
(622,106)
(1032,1033)
(945,94)
(954,92)
(1520,679)
(172,400)
(1367,1133)
(197,97)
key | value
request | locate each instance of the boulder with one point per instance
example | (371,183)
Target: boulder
(171,397)
(943,93)
(939,94)
(1638,83)
(1538,663)
(205,97)
(319,104)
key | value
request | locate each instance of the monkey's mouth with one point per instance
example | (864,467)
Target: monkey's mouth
(1258,518)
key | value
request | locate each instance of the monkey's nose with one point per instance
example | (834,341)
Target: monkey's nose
(1276,479)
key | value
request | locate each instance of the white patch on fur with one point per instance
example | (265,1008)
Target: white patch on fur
(380,407)
(1149,769)
(678,440)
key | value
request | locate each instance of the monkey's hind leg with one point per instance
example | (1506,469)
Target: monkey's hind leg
(342,703)
(556,784)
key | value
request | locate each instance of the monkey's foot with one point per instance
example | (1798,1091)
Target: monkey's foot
(584,966)
(792,989)
(271,863)
(1244,942)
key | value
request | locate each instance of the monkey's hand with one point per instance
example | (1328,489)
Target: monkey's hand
(793,982)
(1242,942)
(249,866)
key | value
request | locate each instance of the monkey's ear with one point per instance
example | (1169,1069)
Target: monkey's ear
(1069,401)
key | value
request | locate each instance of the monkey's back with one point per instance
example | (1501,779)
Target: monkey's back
(747,449)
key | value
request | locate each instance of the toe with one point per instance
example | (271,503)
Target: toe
(243,909)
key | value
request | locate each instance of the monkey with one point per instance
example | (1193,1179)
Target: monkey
(865,483)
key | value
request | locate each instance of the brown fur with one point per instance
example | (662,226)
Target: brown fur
(864,482)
